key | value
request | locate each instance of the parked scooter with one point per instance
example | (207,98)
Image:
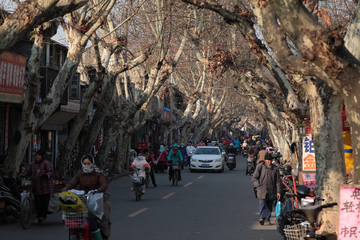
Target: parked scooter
(231,162)
(10,200)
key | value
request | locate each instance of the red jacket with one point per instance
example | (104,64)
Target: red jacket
(149,158)
(163,157)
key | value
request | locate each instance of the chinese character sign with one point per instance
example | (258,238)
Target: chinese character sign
(309,180)
(12,76)
(142,145)
(349,212)
(309,161)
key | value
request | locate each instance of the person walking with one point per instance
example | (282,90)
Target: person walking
(261,154)
(43,185)
(190,149)
(183,154)
(161,155)
(150,159)
(266,179)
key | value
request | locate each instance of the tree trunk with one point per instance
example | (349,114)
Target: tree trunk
(102,155)
(326,126)
(76,127)
(122,151)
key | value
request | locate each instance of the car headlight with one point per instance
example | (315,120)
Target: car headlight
(193,160)
(218,160)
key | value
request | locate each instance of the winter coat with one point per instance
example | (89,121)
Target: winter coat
(175,157)
(90,181)
(267,180)
(183,152)
(190,150)
(140,162)
(41,185)
(163,156)
(261,155)
(237,143)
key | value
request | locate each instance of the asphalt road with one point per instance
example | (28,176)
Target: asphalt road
(204,205)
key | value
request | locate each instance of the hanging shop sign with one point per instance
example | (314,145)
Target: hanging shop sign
(309,161)
(12,75)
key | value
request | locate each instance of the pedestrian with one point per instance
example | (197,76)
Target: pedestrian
(261,154)
(266,179)
(42,174)
(189,151)
(90,177)
(183,154)
(150,159)
(161,156)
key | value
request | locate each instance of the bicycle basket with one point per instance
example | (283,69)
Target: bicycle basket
(295,232)
(75,220)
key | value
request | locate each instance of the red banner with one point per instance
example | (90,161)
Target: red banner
(142,145)
(12,76)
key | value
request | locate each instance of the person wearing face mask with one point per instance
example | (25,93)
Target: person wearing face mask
(141,163)
(90,178)
(43,184)
(174,157)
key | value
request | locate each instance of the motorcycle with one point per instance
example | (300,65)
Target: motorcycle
(10,199)
(249,168)
(74,204)
(231,162)
(294,197)
(138,182)
(244,153)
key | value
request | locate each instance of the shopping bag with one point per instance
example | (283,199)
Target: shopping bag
(277,208)
(96,204)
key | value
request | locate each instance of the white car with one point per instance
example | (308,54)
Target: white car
(207,158)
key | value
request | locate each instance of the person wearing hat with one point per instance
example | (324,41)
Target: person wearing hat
(90,177)
(266,179)
(175,157)
(150,159)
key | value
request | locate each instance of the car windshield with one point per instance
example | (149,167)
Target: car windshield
(212,151)
(219,144)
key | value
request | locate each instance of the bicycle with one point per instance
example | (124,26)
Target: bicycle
(175,175)
(27,203)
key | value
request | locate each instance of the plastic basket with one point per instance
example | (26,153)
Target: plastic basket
(295,232)
(75,220)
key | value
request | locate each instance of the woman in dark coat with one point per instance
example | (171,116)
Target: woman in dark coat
(90,178)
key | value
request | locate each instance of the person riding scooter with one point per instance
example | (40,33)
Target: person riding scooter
(90,178)
(231,152)
(175,157)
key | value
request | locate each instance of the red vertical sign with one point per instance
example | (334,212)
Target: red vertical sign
(7,115)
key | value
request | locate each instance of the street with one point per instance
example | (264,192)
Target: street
(204,205)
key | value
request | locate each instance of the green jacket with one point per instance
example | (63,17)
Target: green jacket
(175,158)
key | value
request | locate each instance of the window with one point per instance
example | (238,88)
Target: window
(211,151)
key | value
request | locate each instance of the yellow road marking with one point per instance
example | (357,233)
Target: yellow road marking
(138,212)
(188,184)
(169,195)
(201,176)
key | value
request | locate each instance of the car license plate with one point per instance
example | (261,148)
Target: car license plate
(2,204)
(205,165)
